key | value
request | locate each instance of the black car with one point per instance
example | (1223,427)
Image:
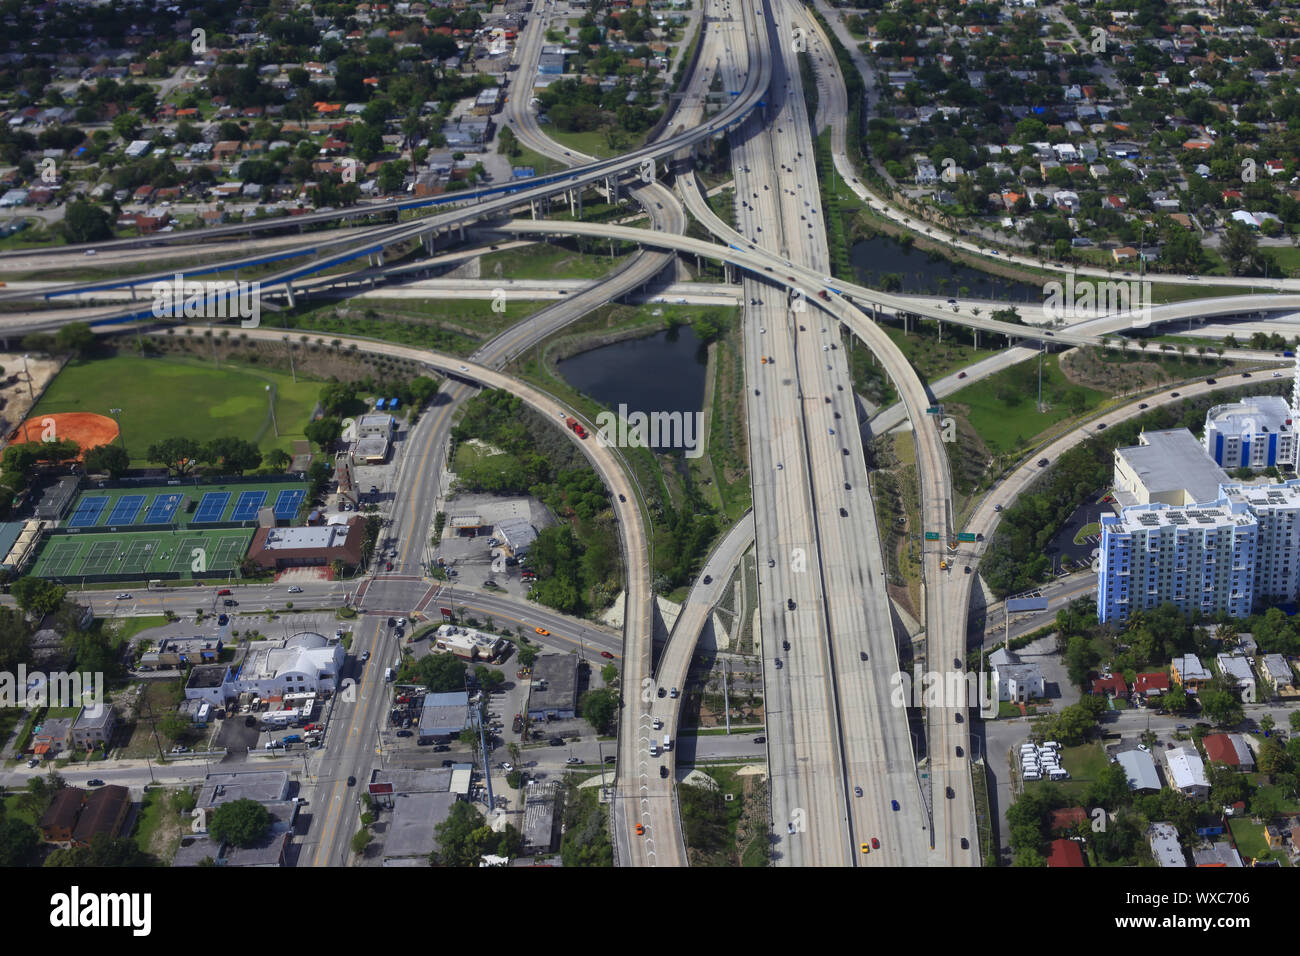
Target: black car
(230,602)
(95,783)
(448,763)
(1210,381)
(960,752)
(785,645)
(392,622)
(250,721)
(1245,375)
(223,620)
(1042,463)
(949,792)
(622,498)
(708,579)
(843,513)
(441,749)
(663,771)
(958,716)
(352,781)
(1142,405)
(862,655)
(404,733)
(556,741)
(1100,426)
(956,662)
(846,452)
(789,603)
(847,486)
(663,692)
(1173,394)
(760,740)
(965,844)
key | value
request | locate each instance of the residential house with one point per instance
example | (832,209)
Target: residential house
(1189,673)
(1186,772)
(1229,749)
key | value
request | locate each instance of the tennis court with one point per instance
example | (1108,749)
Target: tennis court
(162,509)
(88,512)
(126,510)
(139,554)
(212,507)
(246,505)
(288,502)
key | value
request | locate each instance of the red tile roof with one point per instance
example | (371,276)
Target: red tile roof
(1065,853)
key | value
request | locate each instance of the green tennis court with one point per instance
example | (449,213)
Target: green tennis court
(188,552)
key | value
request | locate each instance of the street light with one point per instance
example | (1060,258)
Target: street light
(115,412)
(274,423)
(31,394)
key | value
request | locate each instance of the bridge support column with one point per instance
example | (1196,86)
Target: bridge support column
(132,293)
(532,207)
(941,330)
(977,339)
(579,193)
(905,328)
(427,242)
(288,294)
(379,259)
(462,232)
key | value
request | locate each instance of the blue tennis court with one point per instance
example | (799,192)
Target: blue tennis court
(88,512)
(162,509)
(212,507)
(286,504)
(246,505)
(126,510)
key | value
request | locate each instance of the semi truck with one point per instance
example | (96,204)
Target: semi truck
(575,426)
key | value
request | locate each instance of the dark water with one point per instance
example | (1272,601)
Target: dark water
(660,373)
(876,259)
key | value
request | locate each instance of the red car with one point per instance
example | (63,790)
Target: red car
(607,654)
(388,566)
(224,592)
(640,830)
(875,844)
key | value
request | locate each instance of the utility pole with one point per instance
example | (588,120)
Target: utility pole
(1040,376)
(115,412)
(274,423)
(289,348)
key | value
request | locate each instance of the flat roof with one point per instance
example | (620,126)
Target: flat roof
(560,674)
(309,537)
(411,822)
(264,786)
(1169,460)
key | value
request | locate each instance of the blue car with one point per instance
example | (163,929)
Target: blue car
(223,620)
(894,804)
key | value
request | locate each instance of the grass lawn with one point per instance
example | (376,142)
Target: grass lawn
(1090,528)
(1003,407)
(593,143)
(1250,840)
(542,165)
(151,815)
(542,260)
(1084,763)
(933,359)
(174,397)
(129,627)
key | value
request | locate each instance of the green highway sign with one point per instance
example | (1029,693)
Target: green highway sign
(932,536)
(932,410)
(966,536)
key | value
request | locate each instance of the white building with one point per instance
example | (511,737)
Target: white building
(1015,681)
(1278,671)
(1277,552)
(1198,559)
(1166,466)
(304,663)
(1255,433)
(1163,839)
(1238,668)
(1186,772)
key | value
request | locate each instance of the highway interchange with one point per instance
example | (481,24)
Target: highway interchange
(848,770)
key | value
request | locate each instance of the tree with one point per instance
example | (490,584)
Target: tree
(441,673)
(18,842)
(464,838)
(242,823)
(179,455)
(599,708)
(360,840)
(37,596)
(324,432)
(232,455)
(278,460)
(1219,701)
(86,222)
(107,459)
(75,338)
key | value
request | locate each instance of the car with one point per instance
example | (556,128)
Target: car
(294,589)
(250,721)
(441,748)
(556,741)
(573,760)
(894,805)
(673,693)
(95,783)
(404,733)
(1101,426)
(997,507)
(542,631)
(1142,405)
(771,562)
(448,763)
(640,830)
(1210,381)
(91,252)
(508,767)
(965,844)
(392,622)
(857,791)
(789,604)
(843,513)
(33,762)
(960,752)
(760,740)
(124,596)
(463,368)
(958,716)
(961,374)
(1042,463)
(622,498)
(1245,375)
(607,655)
(862,655)
(708,579)
(866,847)
(225,592)
(663,692)
(352,781)
(1173,394)
(779,665)
(223,620)
(968,569)
(847,486)
(365,656)
(1277,374)
(230,602)
(785,645)
(948,792)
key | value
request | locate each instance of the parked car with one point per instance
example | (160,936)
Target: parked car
(95,783)
(294,589)
(124,596)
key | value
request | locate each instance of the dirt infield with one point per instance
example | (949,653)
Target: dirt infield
(85,428)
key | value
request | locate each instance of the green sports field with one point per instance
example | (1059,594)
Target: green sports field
(142,553)
(183,398)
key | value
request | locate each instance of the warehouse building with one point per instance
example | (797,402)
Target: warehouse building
(554,691)
(318,546)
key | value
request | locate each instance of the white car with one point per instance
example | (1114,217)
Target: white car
(464,368)
(90,252)
(294,589)
(507,767)
(124,596)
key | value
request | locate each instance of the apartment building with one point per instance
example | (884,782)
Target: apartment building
(1197,558)
(1253,434)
